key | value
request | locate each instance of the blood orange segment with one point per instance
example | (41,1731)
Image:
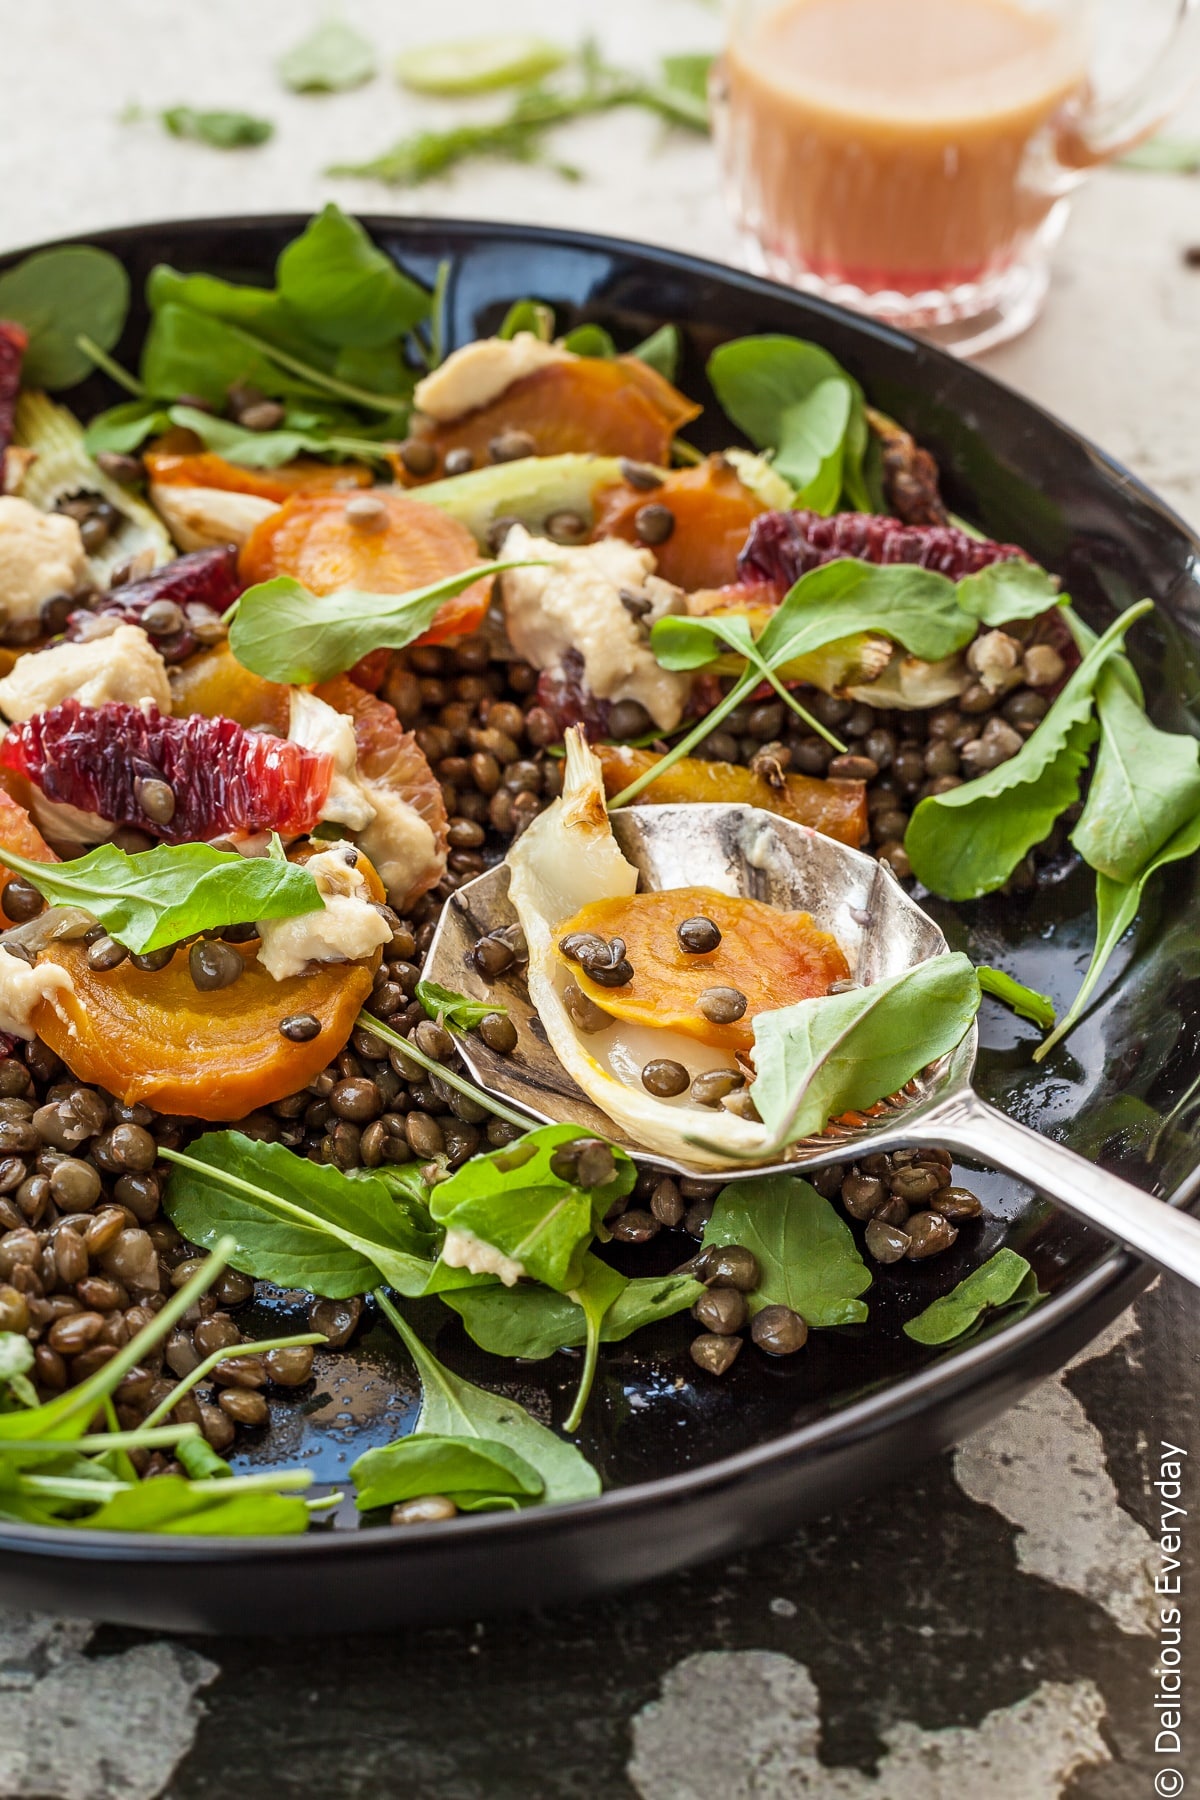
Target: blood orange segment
(773,958)
(224,779)
(13,343)
(388,755)
(413,546)
(783,546)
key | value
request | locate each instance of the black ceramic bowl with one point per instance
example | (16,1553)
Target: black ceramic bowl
(694,1467)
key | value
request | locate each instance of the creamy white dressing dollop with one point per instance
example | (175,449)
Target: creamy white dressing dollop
(347,929)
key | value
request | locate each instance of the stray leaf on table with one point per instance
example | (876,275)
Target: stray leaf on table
(478,65)
(1165,156)
(222,130)
(807,1256)
(333,57)
(1006,1279)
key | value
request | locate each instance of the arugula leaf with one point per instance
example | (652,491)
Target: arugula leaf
(1117,905)
(841,1053)
(1008,590)
(792,397)
(172,1505)
(155,897)
(478,1474)
(59,296)
(331,59)
(297,1223)
(478,65)
(916,607)
(534,1322)
(343,288)
(968,842)
(1145,787)
(222,129)
(1026,1002)
(528,315)
(269,449)
(285,633)
(805,1249)
(443,1003)
(996,1283)
(590,340)
(688,72)
(124,426)
(512,1199)
(452,1407)
(660,351)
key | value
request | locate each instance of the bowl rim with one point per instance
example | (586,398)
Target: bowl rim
(1111,1285)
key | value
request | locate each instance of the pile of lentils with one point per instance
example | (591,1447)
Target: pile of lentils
(87,1255)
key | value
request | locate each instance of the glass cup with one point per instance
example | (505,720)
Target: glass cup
(914,159)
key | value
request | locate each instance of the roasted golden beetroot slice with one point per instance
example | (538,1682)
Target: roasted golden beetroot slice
(837,808)
(615,407)
(773,958)
(409,545)
(152,1036)
(175,463)
(712,511)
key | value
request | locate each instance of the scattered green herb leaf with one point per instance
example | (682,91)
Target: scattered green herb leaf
(155,897)
(1026,1002)
(1006,591)
(807,1256)
(520,134)
(285,633)
(478,65)
(223,130)
(58,296)
(331,59)
(996,1283)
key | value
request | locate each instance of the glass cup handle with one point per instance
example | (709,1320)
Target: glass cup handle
(1096,132)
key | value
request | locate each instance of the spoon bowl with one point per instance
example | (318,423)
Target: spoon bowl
(742,850)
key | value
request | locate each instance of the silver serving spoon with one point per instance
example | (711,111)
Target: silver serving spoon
(743,850)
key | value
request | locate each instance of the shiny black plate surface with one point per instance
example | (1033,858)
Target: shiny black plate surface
(693,1467)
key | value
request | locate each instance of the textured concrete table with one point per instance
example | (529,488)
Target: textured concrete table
(988,1628)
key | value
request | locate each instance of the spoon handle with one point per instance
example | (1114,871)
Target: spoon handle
(1164,1235)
